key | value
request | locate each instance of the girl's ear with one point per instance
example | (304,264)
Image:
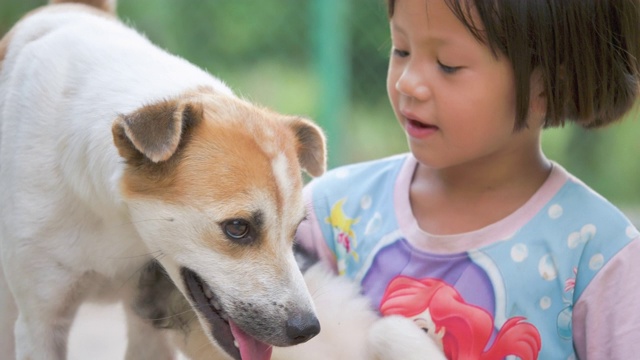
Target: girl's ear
(537,95)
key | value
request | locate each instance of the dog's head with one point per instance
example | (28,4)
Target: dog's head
(213,184)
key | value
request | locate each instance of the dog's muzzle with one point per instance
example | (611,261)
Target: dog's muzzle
(300,327)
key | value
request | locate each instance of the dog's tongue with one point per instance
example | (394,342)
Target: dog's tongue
(250,348)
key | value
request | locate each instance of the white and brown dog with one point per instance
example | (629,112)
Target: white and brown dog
(117,157)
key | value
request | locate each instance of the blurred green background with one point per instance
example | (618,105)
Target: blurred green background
(326,59)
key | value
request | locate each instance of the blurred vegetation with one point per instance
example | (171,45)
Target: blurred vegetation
(265,51)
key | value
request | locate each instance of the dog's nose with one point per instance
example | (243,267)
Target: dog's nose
(302,327)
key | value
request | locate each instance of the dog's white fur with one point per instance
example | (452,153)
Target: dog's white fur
(89,197)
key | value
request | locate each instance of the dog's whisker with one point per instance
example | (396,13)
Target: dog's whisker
(193,317)
(318,292)
(127,223)
(137,271)
(184,312)
(149,254)
(170,219)
(204,347)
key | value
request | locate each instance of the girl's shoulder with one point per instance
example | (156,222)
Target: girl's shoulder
(576,202)
(364,176)
(577,230)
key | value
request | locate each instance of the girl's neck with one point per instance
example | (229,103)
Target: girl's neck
(471,196)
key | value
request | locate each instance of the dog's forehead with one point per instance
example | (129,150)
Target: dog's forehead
(242,148)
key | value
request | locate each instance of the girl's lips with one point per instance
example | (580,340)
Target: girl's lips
(417,129)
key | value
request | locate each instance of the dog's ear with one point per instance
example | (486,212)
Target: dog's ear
(156,130)
(311,147)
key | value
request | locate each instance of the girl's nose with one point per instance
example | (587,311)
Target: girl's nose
(412,83)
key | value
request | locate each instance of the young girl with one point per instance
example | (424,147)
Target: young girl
(475,234)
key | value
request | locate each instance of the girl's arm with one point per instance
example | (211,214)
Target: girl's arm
(606,318)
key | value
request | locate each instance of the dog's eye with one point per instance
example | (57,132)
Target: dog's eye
(236,229)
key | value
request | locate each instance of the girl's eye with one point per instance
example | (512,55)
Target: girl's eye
(448,69)
(400,53)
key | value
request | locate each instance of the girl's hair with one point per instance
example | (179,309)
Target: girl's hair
(587,52)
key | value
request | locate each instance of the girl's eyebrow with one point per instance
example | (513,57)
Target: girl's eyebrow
(434,40)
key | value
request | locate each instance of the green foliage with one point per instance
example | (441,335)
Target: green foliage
(606,159)
(224,34)
(370,47)
(12,10)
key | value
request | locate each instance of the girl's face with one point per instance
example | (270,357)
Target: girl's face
(453,97)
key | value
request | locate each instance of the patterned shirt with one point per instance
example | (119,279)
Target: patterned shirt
(556,279)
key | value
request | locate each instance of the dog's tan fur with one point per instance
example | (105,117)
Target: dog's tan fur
(4,45)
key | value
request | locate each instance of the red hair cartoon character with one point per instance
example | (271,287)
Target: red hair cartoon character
(463,329)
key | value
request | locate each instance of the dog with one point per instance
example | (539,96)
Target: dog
(120,162)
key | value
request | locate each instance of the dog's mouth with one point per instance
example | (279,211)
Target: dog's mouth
(228,335)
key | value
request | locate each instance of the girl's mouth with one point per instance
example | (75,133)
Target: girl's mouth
(417,129)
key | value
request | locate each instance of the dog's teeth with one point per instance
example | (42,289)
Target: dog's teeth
(215,304)
(208,293)
(235,343)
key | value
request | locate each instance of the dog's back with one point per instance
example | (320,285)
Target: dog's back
(64,98)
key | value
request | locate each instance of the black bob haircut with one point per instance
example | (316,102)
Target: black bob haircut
(587,52)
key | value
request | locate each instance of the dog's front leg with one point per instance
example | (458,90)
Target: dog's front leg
(8,316)
(148,307)
(44,320)
(145,342)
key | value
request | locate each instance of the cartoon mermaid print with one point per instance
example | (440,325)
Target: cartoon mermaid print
(462,329)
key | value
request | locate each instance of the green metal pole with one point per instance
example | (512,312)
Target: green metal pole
(330,19)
